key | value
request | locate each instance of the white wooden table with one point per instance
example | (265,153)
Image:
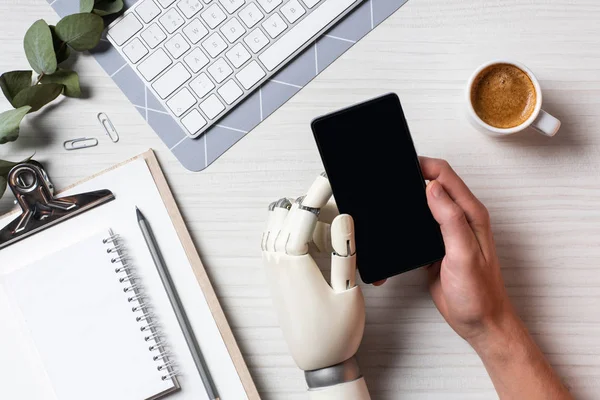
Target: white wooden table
(543,194)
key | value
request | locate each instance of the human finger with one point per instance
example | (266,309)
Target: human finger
(475,212)
(457,233)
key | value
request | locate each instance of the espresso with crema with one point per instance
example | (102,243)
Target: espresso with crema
(503,96)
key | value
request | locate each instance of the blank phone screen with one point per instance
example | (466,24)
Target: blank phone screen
(375,176)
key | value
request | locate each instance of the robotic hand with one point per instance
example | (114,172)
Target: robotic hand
(322,324)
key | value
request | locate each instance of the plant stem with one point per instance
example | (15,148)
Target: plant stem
(39,78)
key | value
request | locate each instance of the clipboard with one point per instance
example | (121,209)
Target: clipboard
(194,260)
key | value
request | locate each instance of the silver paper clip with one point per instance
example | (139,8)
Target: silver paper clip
(81,143)
(108,126)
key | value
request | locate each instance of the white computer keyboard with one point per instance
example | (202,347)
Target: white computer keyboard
(202,57)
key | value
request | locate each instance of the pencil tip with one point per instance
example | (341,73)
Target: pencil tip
(139,214)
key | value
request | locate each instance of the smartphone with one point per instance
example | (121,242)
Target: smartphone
(375,175)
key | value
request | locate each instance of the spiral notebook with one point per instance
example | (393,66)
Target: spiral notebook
(74,326)
(100,338)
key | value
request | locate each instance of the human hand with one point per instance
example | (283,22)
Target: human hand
(466,286)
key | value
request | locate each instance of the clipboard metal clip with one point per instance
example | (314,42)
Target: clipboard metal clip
(40,209)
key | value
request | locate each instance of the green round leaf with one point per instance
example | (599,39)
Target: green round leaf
(69,79)
(63,52)
(2,185)
(39,49)
(38,96)
(108,7)
(86,6)
(80,31)
(13,82)
(9,124)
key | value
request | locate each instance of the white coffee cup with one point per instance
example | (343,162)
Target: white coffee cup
(540,120)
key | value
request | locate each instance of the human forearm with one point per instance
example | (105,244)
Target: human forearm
(515,363)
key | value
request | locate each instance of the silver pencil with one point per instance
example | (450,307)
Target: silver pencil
(182,318)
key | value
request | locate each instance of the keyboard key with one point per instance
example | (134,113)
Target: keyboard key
(189,8)
(256,40)
(232,5)
(250,75)
(195,31)
(230,91)
(135,50)
(292,11)
(251,15)
(171,80)
(202,85)
(212,106)
(171,21)
(303,32)
(220,70)
(214,45)
(181,102)
(311,3)
(147,10)
(274,25)
(193,122)
(125,29)
(213,16)
(233,30)
(166,3)
(196,60)
(238,55)
(269,5)
(153,36)
(154,64)
(177,46)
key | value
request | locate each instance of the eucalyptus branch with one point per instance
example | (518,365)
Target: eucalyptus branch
(46,47)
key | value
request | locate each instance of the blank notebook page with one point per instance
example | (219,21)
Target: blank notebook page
(75,312)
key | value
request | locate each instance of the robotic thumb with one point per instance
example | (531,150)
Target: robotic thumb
(343,259)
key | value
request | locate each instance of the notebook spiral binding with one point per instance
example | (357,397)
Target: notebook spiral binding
(127,276)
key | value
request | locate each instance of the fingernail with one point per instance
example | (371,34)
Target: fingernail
(436,189)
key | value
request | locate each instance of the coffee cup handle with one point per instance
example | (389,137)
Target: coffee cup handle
(546,124)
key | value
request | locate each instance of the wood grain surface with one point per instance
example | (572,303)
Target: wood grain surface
(543,194)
